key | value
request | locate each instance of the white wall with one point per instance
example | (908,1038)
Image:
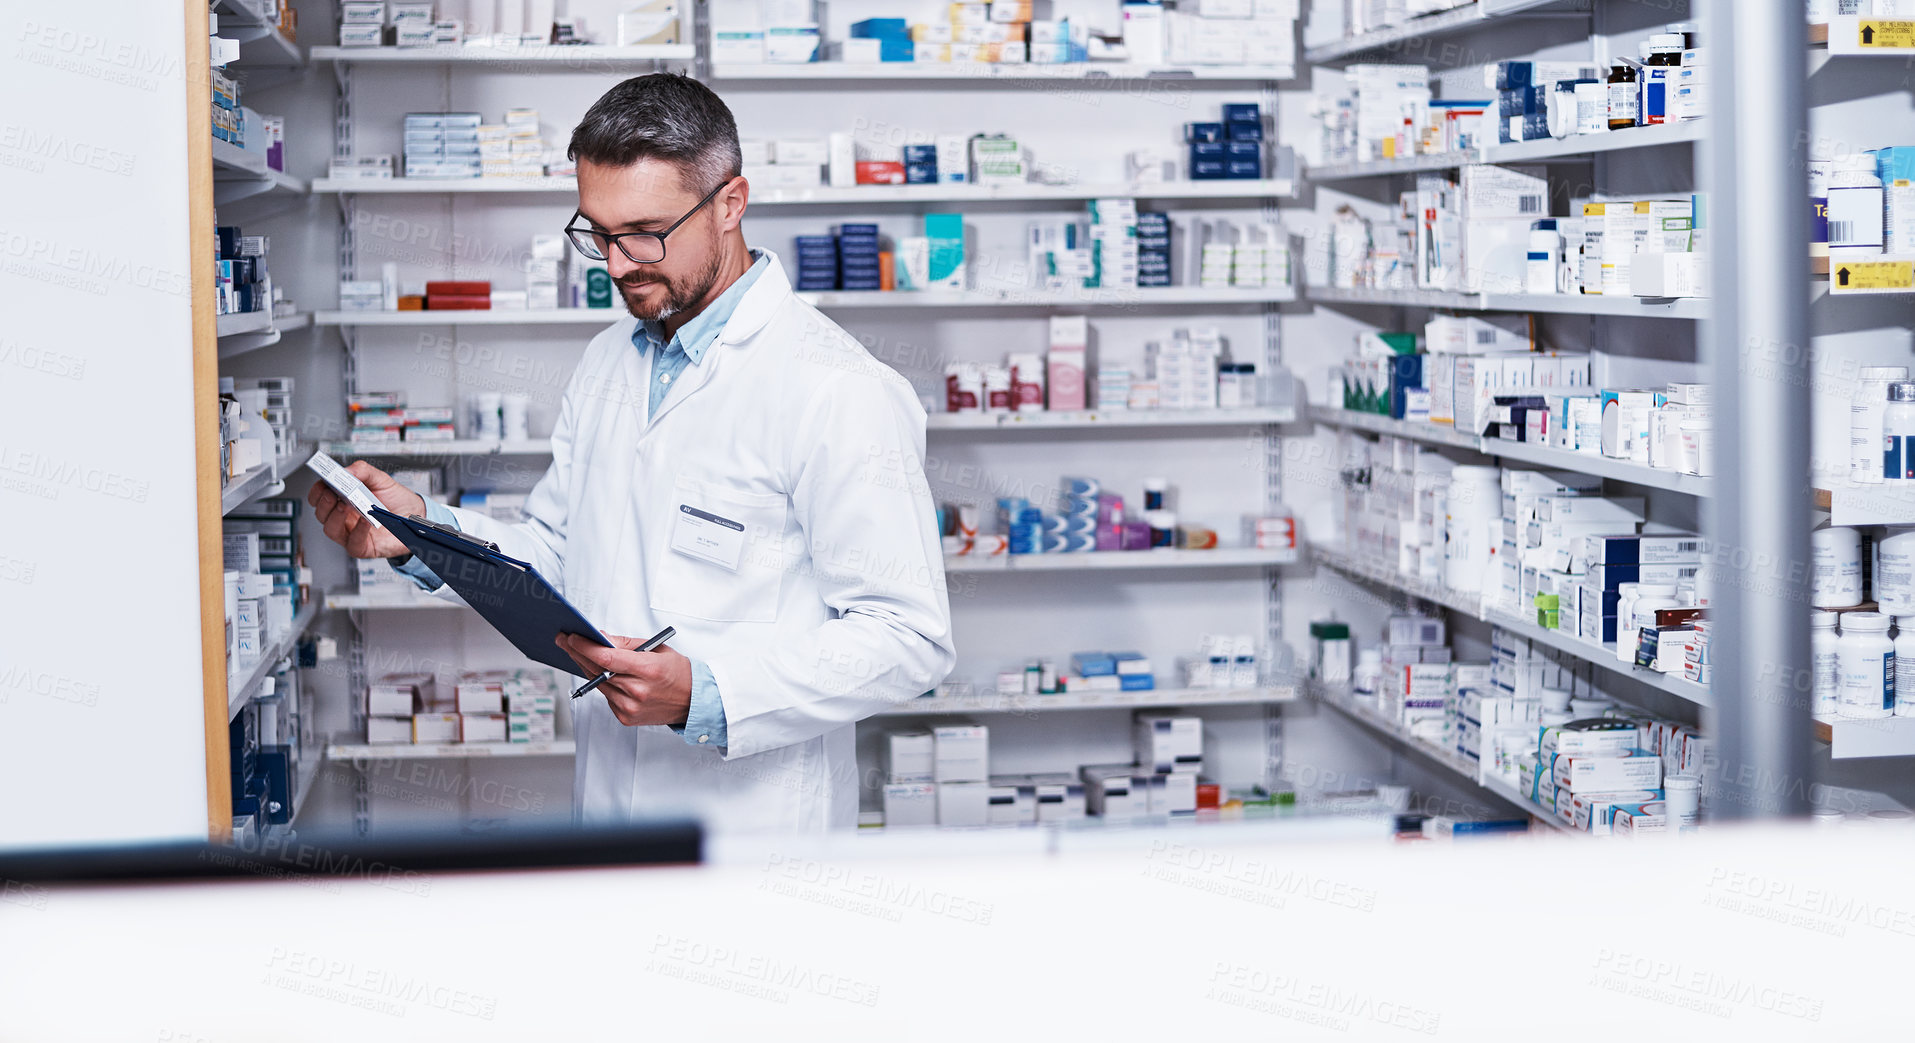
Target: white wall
(101,730)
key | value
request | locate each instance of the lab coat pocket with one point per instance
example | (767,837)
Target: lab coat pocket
(712,528)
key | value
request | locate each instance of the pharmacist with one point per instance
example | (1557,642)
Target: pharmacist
(722,394)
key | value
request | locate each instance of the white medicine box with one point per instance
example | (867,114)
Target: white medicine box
(1166,744)
(960,753)
(909,757)
(910,804)
(963,804)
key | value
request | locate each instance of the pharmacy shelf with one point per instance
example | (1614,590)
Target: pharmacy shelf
(1442,23)
(1341,699)
(1890,274)
(1868,37)
(1850,737)
(1020,704)
(955,194)
(239,174)
(1602,655)
(254,330)
(371,603)
(457,447)
(308,774)
(1156,558)
(993,72)
(1548,303)
(1108,299)
(261,45)
(448,751)
(1680,133)
(1106,419)
(256,482)
(242,685)
(1522,452)
(553,57)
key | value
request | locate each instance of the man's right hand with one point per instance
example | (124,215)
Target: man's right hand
(350,529)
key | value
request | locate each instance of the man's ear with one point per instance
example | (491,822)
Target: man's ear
(733,199)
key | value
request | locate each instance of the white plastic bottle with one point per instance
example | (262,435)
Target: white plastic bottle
(1898,432)
(1625,611)
(1895,572)
(1905,666)
(1866,658)
(1866,409)
(1473,512)
(1824,696)
(1836,579)
(1649,598)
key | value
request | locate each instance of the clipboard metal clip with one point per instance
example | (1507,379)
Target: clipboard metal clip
(455,533)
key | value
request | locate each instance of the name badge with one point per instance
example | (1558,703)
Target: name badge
(708,537)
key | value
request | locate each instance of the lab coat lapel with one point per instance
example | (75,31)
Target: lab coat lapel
(770,291)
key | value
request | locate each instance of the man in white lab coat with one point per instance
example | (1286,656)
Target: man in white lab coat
(729,462)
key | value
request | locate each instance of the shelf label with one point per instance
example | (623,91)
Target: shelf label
(1873,275)
(1878,33)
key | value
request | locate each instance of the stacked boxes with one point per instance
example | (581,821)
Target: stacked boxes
(1185,371)
(1153,248)
(878,40)
(510,149)
(1114,248)
(945,261)
(960,761)
(443,145)
(362,23)
(1612,559)
(544,271)
(996,159)
(241,280)
(858,263)
(1066,363)
(817,262)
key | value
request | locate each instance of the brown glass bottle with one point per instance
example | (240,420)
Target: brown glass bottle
(1622,95)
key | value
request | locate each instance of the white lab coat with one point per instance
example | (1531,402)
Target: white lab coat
(839,607)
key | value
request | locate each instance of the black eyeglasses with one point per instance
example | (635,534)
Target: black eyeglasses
(641,247)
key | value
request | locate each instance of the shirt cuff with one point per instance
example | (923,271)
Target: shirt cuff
(411,567)
(705,721)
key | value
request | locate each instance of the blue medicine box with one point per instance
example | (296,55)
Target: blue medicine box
(1093,664)
(1240,111)
(1202,132)
(878,28)
(1243,169)
(1243,130)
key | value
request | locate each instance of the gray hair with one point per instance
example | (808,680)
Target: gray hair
(662,116)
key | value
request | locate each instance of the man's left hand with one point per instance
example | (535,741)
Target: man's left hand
(646,687)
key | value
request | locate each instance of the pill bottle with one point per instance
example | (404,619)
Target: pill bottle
(1836,575)
(1905,665)
(1867,408)
(1855,207)
(1369,672)
(1555,700)
(1898,432)
(1622,95)
(1682,796)
(1895,571)
(1592,106)
(1823,696)
(1155,489)
(1625,609)
(1827,817)
(1545,256)
(1472,524)
(1866,658)
(1649,598)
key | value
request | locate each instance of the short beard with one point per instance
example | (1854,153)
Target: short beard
(677,297)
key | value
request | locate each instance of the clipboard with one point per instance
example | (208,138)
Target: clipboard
(507,593)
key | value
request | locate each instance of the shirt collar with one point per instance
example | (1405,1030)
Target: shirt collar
(702,331)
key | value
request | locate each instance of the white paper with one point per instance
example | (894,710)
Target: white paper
(345,484)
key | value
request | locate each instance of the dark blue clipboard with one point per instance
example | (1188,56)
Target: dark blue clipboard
(507,593)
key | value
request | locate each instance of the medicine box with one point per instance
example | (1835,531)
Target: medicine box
(435,727)
(960,753)
(1169,744)
(1059,795)
(1642,550)
(910,804)
(400,694)
(1647,817)
(910,757)
(963,804)
(381,731)
(1116,791)
(1618,770)
(480,696)
(1012,801)
(1599,736)
(482,727)
(1172,793)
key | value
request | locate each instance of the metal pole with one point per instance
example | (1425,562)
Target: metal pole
(1756,227)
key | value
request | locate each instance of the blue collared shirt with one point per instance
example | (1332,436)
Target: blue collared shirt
(705,723)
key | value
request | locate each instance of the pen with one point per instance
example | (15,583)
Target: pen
(650,643)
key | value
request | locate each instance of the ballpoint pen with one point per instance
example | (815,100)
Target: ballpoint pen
(650,643)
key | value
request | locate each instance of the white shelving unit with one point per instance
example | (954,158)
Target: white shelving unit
(242,685)
(239,174)
(862,195)
(1858,37)
(584,58)
(1120,419)
(252,330)
(993,72)
(1574,146)
(1602,655)
(456,447)
(1520,452)
(258,481)
(1543,303)
(1371,718)
(1087,300)
(1853,737)
(1019,704)
(449,751)
(1155,558)
(1438,24)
